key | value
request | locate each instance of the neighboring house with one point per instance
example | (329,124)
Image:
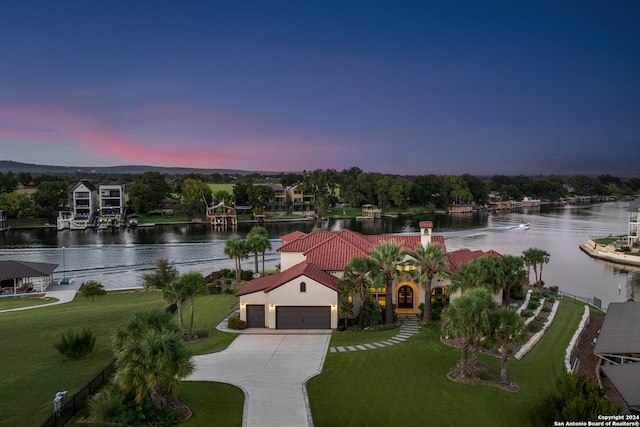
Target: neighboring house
(300,202)
(634,224)
(166,207)
(83,200)
(112,201)
(304,294)
(277,205)
(618,347)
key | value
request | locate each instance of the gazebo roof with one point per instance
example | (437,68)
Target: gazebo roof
(22,269)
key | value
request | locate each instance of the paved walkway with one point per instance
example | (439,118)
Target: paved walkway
(272,370)
(62,295)
(408,329)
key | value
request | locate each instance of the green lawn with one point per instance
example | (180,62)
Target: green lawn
(26,300)
(218,187)
(404,384)
(34,371)
(407,385)
(355,337)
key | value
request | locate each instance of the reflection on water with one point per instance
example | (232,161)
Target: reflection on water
(117,259)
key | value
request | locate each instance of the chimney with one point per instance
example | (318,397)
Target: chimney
(425,232)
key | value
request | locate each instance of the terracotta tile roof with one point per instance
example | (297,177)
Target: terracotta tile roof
(425,224)
(332,250)
(268,283)
(463,256)
(292,236)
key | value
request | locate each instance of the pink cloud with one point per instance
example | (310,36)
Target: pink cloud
(169,135)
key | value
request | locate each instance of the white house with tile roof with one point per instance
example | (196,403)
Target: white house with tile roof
(304,295)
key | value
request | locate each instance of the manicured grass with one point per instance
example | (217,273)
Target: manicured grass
(28,300)
(342,338)
(407,384)
(218,187)
(213,404)
(34,371)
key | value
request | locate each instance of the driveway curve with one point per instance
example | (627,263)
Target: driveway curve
(272,370)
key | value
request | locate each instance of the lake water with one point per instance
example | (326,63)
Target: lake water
(118,259)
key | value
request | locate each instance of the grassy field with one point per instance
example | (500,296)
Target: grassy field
(35,371)
(218,187)
(26,300)
(407,384)
(354,388)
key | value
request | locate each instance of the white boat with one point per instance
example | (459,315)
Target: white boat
(524,225)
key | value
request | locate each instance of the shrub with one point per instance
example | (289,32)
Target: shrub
(546,309)
(533,304)
(236,323)
(436,311)
(526,313)
(201,334)
(246,275)
(372,314)
(517,292)
(214,289)
(554,290)
(534,327)
(105,405)
(421,307)
(166,418)
(74,345)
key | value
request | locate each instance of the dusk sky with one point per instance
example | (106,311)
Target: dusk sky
(403,87)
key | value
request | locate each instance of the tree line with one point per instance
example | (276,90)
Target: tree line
(353,187)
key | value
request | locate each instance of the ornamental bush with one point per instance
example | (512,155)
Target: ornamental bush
(76,345)
(236,323)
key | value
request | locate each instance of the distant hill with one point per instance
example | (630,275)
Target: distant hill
(17,167)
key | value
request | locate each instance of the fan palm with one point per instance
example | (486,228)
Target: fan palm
(357,280)
(388,257)
(430,261)
(467,318)
(176,292)
(236,248)
(258,242)
(194,284)
(507,331)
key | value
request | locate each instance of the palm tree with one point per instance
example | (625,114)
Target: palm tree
(514,274)
(152,366)
(162,275)
(236,248)
(467,277)
(258,242)
(140,322)
(176,292)
(534,257)
(528,257)
(194,284)
(467,318)
(507,331)
(357,280)
(388,257)
(430,261)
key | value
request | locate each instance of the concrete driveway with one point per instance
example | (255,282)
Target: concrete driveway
(272,370)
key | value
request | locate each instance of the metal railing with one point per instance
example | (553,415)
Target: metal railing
(595,302)
(78,401)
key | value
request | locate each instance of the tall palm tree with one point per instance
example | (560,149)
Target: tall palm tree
(162,275)
(528,257)
(236,248)
(507,332)
(534,257)
(514,274)
(258,242)
(357,280)
(194,284)
(430,261)
(153,366)
(388,256)
(467,277)
(467,318)
(175,293)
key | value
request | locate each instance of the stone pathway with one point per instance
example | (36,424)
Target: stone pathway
(408,329)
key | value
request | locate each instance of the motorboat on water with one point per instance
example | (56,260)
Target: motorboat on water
(524,226)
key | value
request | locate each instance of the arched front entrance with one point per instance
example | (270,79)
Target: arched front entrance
(406,296)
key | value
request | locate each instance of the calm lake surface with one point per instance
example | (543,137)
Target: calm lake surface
(118,259)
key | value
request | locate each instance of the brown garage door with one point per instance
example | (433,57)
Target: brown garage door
(303,317)
(255,316)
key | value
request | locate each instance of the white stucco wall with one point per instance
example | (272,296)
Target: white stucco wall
(289,259)
(289,295)
(316,295)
